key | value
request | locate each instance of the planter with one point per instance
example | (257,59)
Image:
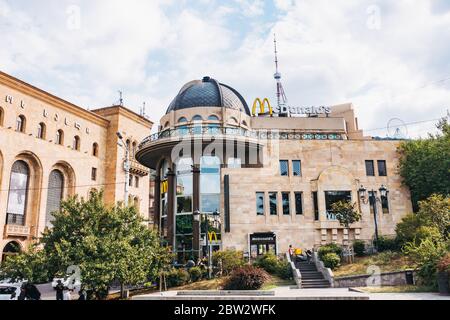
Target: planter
(443,284)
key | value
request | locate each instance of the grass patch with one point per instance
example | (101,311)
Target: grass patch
(213,284)
(398,289)
(386,261)
(275,282)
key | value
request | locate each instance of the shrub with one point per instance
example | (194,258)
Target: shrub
(359,248)
(231,260)
(268,262)
(386,244)
(329,248)
(444,264)
(247,278)
(406,229)
(284,270)
(331,260)
(177,277)
(196,273)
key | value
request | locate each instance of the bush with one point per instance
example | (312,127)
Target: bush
(406,230)
(331,260)
(329,248)
(359,248)
(444,264)
(231,260)
(386,244)
(268,262)
(247,278)
(196,273)
(284,270)
(177,277)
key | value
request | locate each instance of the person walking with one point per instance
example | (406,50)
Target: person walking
(59,290)
(291,252)
(82,295)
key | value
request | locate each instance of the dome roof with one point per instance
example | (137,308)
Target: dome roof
(208,93)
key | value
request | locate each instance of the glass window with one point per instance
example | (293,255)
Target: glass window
(76,143)
(260,204)
(298,203)
(197,118)
(136,182)
(184,224)
(41,131)
(370,170)
(210,202)
(286,203)
(95,150)
(382,171)
(284,168)
(332,197)
(213,118)
(18,192)
(182,120)
(94,174)
(273,203)
(234,163)
(297,168)
(385,204)
(316,205)
(20,124)
(210,188)
(130,181)
(54,195)
(59,137)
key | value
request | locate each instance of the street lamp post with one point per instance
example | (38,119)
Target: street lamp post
(126,167)
(383,193)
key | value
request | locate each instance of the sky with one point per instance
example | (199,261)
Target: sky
(391,59)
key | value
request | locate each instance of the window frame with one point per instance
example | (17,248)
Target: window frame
(380,173)
(275,207)
(298,210)
(372,164)
(287,168)
(284,205)
(300,168)
(261,212)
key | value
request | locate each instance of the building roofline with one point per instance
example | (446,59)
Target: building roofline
(45,96)
(126,112)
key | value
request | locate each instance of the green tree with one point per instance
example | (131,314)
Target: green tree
(107,243)
(425,164)
(345,213)
(435,211)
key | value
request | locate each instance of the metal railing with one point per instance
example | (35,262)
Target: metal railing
(15,219)
(186,131)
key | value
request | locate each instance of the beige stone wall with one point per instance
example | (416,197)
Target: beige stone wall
(44,155)
(326,166)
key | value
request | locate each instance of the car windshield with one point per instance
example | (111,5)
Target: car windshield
(7,290)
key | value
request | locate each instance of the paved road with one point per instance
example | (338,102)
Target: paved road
(286,293)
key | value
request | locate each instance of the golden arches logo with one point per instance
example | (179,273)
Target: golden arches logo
(262,106)
(164,186)
(211,236)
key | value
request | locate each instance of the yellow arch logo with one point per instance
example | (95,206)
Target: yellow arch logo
(164,186)
(211,236)
(262,106)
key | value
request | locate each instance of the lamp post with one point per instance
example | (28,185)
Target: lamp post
(126,167)
(363,196)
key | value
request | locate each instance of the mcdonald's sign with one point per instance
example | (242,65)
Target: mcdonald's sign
(164,186)
(212,236)
(262,106)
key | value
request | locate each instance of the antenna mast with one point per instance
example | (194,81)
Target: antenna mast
(120,98)
(281,96)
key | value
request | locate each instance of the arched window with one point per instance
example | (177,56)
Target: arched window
(20,123)
(134,148)
(59,137)
(128,142)
(182,120)
(76,143)
(197,118)
(54,195)
(18,193)
(244,123)
(213,118)
(1,117)
(41,131)
(11,249)
(233,121)
(95,149)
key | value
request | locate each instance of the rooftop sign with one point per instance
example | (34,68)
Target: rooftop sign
(283,109)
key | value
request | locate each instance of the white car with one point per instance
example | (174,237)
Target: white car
(10,291)
(75,284)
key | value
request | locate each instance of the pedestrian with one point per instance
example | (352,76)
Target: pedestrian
(59,290)
(291,251)
(32,292)
(23,293)
(67,294)
(82,295)
(309,255)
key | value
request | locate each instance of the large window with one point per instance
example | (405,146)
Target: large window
(260,204)
(18,193)
(210,184)
(41,131)
(332,197)
(273,203)
(286,203)
(382,171)
(296,168)
(284,168)
(20,123)
(54,195)
(298,203)
(184,217)
(370,170)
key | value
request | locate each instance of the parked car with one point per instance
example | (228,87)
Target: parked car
(9,291)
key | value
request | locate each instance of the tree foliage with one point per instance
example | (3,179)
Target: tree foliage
(425,164)
(345,213)
(108,244)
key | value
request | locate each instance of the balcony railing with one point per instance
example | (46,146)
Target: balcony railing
(193,131)
(15,226)
(15,219)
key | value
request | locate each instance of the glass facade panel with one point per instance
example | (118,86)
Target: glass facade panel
(260,204)
(184,224)
(210,202)
(286,203)
(273,203)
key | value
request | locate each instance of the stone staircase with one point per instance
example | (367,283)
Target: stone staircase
(311,277)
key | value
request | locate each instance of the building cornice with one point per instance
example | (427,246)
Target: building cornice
(55,101)
(123,111)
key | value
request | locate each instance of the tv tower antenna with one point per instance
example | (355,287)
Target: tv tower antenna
(120,98)
(281,96)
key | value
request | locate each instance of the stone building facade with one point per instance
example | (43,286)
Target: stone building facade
(51,149)
(265,181)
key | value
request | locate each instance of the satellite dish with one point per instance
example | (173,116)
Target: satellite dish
(397,129)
